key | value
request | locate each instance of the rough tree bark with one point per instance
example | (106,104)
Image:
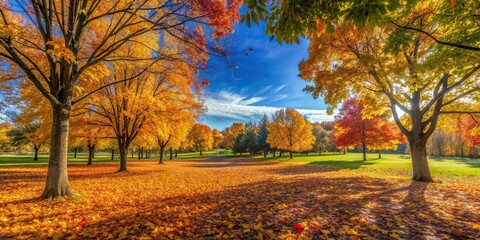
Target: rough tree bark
(123,149)
(57,177)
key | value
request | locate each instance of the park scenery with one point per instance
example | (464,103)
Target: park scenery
(240,119)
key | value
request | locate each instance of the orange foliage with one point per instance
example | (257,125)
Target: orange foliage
(234,198)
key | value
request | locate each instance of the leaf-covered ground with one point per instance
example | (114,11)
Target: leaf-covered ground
(238,198)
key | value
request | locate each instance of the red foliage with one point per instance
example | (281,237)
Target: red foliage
(466,128)
(205,83)
(84,222)
(298,228)
(353,129)
(453,3)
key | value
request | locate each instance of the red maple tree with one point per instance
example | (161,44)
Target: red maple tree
(353,129)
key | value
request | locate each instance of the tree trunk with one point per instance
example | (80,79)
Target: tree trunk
(274,153)
(344,151)
(75,153)
(176,153)
(36,148)
(162,148)
(57,177)
(201,152)
(123,149)
(171,153)
(113,154)
(421,172)
(291,155)
(142,151)
(91,150)
(139,154)
(461,151)
(264,153)
(379,154)
(364,150)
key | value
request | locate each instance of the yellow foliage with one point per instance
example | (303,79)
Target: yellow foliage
(290,131)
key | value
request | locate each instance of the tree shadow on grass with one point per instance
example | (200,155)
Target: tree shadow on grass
(343,164)
(472,162)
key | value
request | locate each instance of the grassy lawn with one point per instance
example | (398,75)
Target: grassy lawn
(401,162)
(394,164)
(8,159)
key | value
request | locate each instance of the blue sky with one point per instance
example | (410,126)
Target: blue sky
(265,81)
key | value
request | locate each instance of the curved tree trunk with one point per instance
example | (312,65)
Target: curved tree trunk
(57,177)
(421,171)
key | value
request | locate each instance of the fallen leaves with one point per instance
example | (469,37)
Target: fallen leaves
(234,199)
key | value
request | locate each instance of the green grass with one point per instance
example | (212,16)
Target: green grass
(450,166)
(8,159)
(438,165)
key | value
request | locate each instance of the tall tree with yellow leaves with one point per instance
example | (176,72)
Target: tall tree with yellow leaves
(217,138)
(201,138)
(290,131)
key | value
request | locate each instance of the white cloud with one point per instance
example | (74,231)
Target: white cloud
(236,106)
(280,88)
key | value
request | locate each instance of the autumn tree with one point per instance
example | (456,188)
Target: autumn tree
(354,129)
(421,35)
(217,138)
(170,130)
(322,139)
(231,133)
(290,131)
(201,137)
(35,117)
(4,139)
(468,128)
(57,45)
(401,68)
(87,130)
